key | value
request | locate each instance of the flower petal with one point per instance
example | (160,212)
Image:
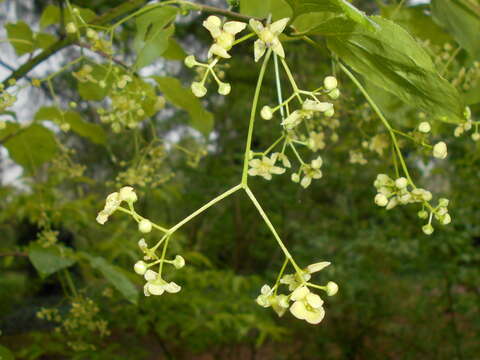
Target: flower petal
(259,49)
(300,293)
(314,300)
(219,51)
(172,287)
(234,27)
(277,48)
(155,289)
(150,275)
(278,26)
(256,26)
(315,317)
(213,24)
(299,310)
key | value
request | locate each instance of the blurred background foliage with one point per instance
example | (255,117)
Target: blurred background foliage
(403,295)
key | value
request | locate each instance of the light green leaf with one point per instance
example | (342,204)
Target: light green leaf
(262,9)
(152,35)
(335,26)
(183,98)
(174,51)
(21,37)
(461,20)
(44,40)
(51,259)
(5,354)
(33,146)
(115,276)
(300,7)
(50,16)
(394,61)
(93,132)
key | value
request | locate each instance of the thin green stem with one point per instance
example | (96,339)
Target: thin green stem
(278,84)
(70,283)
(204,207)
(266,152)
(134,214)
(272,229)
(291,79)
(252,117)
(280,275)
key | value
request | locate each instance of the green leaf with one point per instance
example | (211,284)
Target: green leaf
(21,37)
(335,26)
(33,146)
(183,98)
(44,40)
(5,354)
(417,22)
(262,9)
(400,66)
(152,35)
(50,16)
(174,51)
(51,259)
(300,7)
(461,20)
(115,276)
(93,132)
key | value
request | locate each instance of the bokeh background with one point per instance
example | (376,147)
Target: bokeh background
(403,295)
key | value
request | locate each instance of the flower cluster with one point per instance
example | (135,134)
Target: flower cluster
(6,99)
(305,305)
(391,193)
(268,37)
(467,125)
(223,35)
(301,127)
(84,32)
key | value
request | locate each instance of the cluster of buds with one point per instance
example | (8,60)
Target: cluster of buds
(155,284)
(302,303)
(467,125)
(223,35)
(78,27)
(391,193)
(6,99)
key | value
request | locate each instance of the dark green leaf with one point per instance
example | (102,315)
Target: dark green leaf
(91,131)
(174,51)
(183,98)
(461,20)
(33,146)
(262,9)
(5,354)
(115,276)
(51,259)
(401,67)
(153,34)
(44,40)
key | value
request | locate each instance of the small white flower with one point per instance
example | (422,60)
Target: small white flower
(190,61)
(427,229)
(224,88)
(224,36)
(424,127)
(401,183)
(268,37)
(332,288)
(102,217)
(334,94)
(71,28)
(476,136)
(295,177)
(157,286)
(316,141)
(440,150)
(265,167)
(313,105)
(145,226)
(307,306)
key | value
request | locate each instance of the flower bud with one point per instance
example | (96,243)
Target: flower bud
(401,183)
(190,61)
(140,267)
(334,94)
(92,34)
(313,268)
(224,88)
(422,214)
(198,89)
(266,113)
(295,178)
(443,202)
(330,82)
(71,28)
(65,127)
(102,217)
(329,113)
(332,288)
(427,229)
(142,244)
(178,262)
(424,127)
(145,226)
(440,150)
(476,136)
(381,200)
(446,219)
(128,194)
